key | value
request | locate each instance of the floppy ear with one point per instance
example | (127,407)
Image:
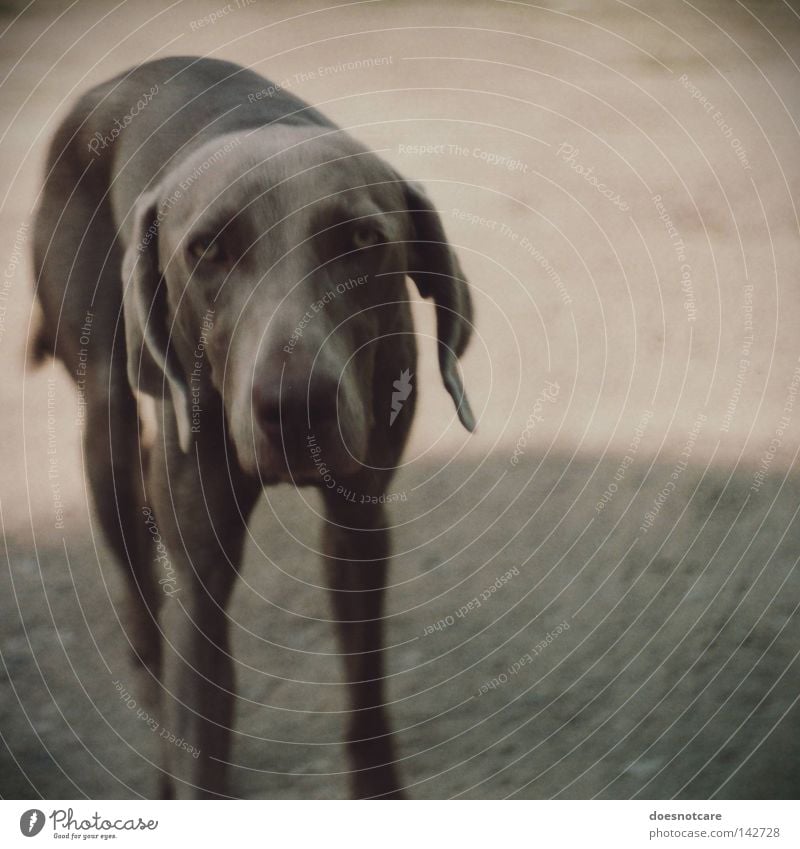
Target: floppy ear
(434,268)
(151,357)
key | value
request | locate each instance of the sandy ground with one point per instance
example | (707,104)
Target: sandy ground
(678,672)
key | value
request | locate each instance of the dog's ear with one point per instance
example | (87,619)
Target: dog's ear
(152,360)
(433,266)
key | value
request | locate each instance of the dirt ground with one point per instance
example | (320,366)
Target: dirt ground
(620,182)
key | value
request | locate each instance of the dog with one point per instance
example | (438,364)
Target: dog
(242,262)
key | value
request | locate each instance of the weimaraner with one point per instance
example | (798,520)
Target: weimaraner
(241,260)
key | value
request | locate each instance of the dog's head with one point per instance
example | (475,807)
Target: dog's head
(271,267)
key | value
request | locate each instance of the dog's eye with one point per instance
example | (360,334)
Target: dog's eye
(205,248)
(366,235)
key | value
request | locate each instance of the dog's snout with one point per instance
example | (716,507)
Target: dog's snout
(294,404)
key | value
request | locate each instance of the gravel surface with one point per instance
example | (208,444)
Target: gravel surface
(666,662)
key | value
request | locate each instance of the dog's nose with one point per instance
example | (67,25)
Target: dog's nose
(296,404)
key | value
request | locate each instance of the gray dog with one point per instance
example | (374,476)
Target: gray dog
(242,262)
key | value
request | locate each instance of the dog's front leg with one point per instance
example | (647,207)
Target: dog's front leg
(202,516)
(356,542)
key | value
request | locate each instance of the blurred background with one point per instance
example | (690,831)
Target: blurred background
(620,181)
